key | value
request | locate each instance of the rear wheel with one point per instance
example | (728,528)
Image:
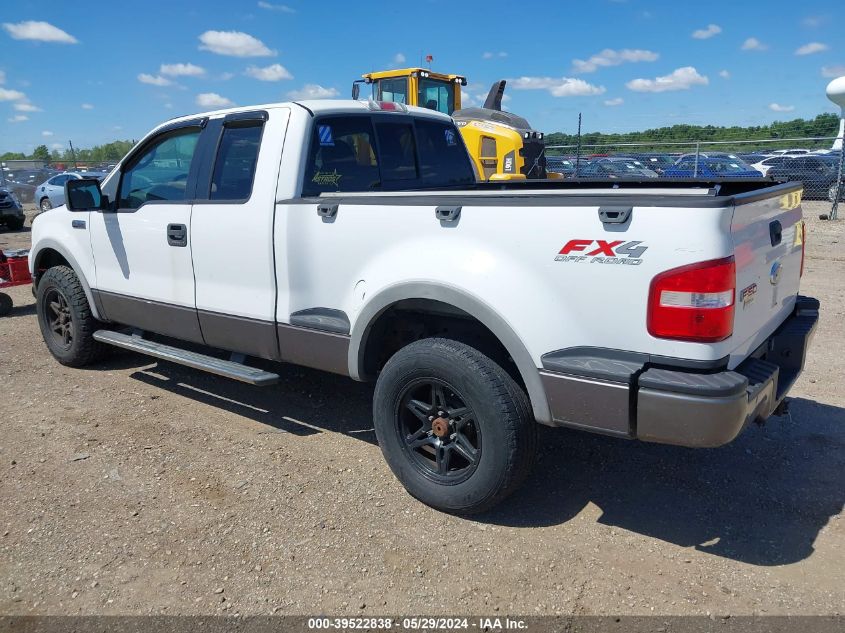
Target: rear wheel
(65,318)
(45,204)
(5,304)
(454,427)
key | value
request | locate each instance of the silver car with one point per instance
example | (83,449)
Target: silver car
(51,193)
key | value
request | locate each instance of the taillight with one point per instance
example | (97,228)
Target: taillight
(694,303)
(803,229)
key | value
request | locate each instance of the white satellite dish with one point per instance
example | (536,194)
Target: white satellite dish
(836,93)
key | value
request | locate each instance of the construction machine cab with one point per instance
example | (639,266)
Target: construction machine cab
(416,87)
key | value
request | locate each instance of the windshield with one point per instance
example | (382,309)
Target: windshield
(394,89)
(435,94)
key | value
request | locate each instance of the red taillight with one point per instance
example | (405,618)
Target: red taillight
(694,303)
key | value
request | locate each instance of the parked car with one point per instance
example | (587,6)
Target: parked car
(24,192)
(521,326)
(817,174)
(711,168)
(51,193)
(564,164)
(11,210)
(616,167)
(765,163)
(654,161)
(791,152)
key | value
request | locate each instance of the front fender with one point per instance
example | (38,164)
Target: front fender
(465,301)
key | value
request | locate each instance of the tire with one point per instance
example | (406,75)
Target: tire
(5,304)
(45,204)
(474,454)
(15,223)
(65,318)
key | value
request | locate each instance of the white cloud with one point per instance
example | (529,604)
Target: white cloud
(56,146)
(87,106)
(168,105)
(25,106)
(282,8)
(225,76)
(812,47)
(18,118)
(491,55)
(181,70)
(833,71)
(557,86)
(813,21)
(11,95)
(679,79)
(46,133)
(234,44)
(710,31)
(2,77)
(753,44)
(154,80)
(39,31)
(399,58)
(610,57)
(614,102)
(725,74)
(274,72)
(213,100)
(313,91)
(776,107)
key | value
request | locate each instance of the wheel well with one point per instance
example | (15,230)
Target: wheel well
(410,320)
(48,258)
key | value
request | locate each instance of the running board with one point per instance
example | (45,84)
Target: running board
(225,368)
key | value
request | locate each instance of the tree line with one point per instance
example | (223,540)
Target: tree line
(823,125)
(108,153)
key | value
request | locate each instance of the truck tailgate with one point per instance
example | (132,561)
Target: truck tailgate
(768,236)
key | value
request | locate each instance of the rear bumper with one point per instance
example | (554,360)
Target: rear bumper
(656,400)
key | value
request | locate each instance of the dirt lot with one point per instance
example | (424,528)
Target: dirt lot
(141,487)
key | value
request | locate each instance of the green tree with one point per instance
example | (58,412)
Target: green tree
(41,153)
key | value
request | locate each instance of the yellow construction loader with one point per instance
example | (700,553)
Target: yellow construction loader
(502,145)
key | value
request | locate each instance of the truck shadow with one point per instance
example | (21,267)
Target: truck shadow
(761,500)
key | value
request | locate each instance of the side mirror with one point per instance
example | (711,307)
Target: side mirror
(83,195)
(356,90)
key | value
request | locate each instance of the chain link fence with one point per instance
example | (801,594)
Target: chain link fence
(809,160)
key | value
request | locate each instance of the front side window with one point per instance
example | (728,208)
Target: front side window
(60,180)
(160,173)
(234,168)
(342,156)
(436,95)
(393,90)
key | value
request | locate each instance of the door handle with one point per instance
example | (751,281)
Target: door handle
(177,235)
(775,232)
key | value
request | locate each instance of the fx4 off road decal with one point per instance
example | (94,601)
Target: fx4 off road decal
(602,252)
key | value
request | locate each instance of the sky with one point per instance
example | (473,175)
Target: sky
(99,71)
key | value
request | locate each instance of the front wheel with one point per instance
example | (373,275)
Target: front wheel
(65,318)
(45,204)
(454,427)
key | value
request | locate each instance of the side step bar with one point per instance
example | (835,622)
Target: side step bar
(226,368)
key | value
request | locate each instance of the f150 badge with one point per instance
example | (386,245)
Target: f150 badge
(602,252)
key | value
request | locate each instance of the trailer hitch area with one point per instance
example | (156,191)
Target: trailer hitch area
(782,408)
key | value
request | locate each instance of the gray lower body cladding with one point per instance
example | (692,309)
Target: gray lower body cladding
(654,399)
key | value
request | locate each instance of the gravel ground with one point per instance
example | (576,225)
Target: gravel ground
(138,487)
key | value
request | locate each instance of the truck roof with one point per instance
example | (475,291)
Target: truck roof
(317,106)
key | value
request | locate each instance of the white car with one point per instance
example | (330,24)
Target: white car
(664,313)
(790,152)
(763,166)
(51,193)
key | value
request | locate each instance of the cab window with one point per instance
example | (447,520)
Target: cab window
(160,173)
(237,156)
(436,95)
(342,156)
(393,90)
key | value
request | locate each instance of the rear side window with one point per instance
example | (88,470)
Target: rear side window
(342,156)
(234,167)
(443,157)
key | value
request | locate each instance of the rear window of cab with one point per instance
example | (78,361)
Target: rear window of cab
(384,153)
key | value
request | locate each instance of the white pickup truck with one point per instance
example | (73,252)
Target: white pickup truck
(352,237)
